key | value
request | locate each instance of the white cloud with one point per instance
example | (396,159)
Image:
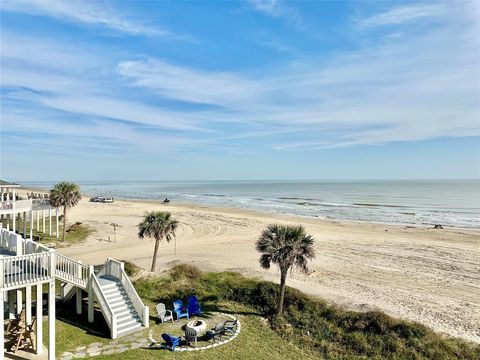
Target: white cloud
(279,9)
(404,14)
(188,84)
(83,12)
(400,89)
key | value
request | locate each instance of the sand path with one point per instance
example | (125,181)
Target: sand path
(430,276)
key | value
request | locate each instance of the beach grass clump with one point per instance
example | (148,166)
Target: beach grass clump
(184,271)
(313,324)
(130,268)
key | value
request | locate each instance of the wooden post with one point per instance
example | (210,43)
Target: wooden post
(50,222)
(56,223)
(43,221)
(31,225)
(28,304)
(51,320)
(11,304)
(39,322)
(24,224)
(19,301)
(90,294)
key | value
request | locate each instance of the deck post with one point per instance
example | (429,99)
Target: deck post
(11,304)
(14,216)
(28,304)
(50,222)
(78,298)
(24,224)
(90,294)
(56,223)
(19,301)
(38,220)
(51,320)
(31,224)
(43,221)
(2,320)
(39,322)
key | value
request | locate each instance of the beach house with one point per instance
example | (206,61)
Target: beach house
(29,269)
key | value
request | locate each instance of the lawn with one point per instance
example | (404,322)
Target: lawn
(76,233)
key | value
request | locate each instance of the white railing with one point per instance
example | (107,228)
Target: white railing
(41,204)
(26,269)
(19,205)
(116,268)
(107,311)
(11,242)
(71,270)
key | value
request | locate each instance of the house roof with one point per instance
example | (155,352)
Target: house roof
(6,183)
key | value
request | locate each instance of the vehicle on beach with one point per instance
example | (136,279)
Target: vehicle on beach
(102,199)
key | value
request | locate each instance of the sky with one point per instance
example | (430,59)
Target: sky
(150,90)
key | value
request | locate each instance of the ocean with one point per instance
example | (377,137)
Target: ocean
(454,203)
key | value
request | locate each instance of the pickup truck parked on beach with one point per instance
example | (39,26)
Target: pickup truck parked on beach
(102,199)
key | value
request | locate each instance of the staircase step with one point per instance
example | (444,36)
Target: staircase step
(125,316)
(124,330)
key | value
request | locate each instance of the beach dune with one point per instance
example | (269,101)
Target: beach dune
(431,276)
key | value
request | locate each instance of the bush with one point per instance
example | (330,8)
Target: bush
(185,271)
(130,268)
(75,227)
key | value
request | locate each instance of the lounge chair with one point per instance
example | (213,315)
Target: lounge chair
(194,306)
(191,336)
(163,314)
(13,324)
(180,310)
(230,326)
(172,341)
(217,332)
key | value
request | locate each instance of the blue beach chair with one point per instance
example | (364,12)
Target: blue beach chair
(180,310)
(194,306)
(172,341)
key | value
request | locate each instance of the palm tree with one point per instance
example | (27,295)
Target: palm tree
(287,246)
(67,195)
(157,225)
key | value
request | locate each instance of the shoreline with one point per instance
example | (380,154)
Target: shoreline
(272,213)
(421,274)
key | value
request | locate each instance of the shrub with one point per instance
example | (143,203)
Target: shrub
(130,268)
(75,227)
(185,271)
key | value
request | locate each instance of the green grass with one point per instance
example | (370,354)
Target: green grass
(310,328)
(73,237)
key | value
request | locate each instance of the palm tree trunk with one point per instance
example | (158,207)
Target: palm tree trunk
(154,260)
(281,295)
(64,223)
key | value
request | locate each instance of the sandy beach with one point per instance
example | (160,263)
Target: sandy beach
(427,275)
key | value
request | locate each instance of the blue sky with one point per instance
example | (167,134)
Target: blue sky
(239,90)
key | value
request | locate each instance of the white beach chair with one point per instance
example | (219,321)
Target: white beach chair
(163,314)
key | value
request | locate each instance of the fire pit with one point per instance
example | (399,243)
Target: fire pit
(197,325)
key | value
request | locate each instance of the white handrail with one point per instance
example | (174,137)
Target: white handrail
(116,268)
(107,311)
(25,269)
(71,270)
